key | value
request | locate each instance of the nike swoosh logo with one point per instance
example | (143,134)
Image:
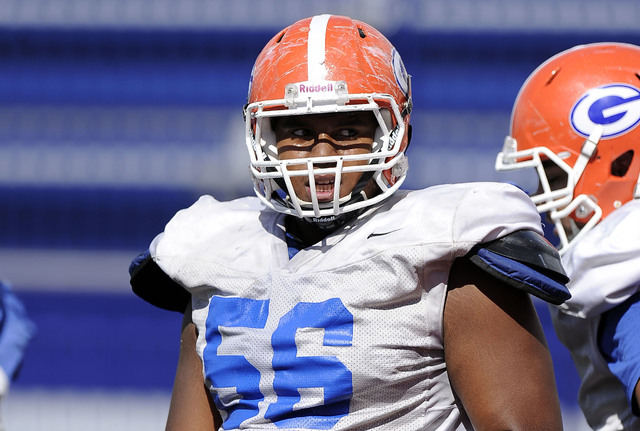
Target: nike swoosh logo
(374,234)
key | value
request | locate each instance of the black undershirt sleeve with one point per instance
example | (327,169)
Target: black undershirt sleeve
(150,283)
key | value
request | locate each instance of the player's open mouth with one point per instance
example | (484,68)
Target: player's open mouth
(325,186)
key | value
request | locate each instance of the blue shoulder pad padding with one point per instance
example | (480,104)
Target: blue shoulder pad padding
(138,261)
(150,283)
(526,261)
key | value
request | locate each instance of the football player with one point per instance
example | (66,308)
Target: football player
(575,120)
(16,332)
(335,300)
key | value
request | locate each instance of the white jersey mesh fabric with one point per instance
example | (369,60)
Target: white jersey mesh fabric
(346,335)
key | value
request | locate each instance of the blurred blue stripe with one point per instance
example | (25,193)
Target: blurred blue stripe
(99,340)
(86,218)
(212,67)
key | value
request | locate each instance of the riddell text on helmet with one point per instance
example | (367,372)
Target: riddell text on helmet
(318,88)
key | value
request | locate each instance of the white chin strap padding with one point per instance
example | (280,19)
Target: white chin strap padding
(587,150)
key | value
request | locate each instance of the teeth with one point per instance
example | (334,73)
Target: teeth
(324,181)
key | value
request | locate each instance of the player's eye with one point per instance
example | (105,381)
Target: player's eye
(347,133)
(301,133)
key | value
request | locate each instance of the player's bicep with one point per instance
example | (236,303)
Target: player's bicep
(191,404)
(496,354)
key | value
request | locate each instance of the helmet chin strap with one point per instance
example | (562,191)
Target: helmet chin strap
(587,150)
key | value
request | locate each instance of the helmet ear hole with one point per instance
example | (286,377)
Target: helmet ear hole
(620,165)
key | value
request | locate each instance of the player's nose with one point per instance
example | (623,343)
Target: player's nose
(324,146)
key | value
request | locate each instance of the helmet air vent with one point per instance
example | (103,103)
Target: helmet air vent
(620,165)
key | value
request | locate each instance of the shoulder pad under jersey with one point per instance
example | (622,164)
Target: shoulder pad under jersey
(527,261)
(150,283)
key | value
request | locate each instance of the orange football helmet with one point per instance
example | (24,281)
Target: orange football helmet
(577,114)
(319,65)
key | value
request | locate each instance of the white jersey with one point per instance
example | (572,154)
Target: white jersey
(347,334)
(604,268)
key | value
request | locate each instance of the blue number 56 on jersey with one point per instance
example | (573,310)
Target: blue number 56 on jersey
(291,371)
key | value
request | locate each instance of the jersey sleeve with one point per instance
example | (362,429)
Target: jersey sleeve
(488,211)
(618,342)
(150,283)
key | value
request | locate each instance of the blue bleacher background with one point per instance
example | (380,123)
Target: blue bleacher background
(95,120)
(464,71)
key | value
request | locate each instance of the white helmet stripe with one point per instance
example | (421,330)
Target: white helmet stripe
(316,48)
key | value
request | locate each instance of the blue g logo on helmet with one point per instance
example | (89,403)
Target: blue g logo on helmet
(400,72)
(616,107)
